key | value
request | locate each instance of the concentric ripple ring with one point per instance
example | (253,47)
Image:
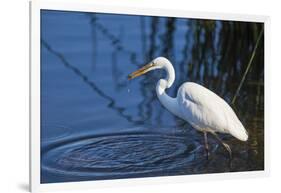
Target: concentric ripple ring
(118,155)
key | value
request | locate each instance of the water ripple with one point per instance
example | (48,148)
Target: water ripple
(121,155)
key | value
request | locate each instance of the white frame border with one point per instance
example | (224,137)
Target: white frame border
(86,6)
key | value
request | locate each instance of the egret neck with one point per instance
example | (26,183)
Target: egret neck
(168,102)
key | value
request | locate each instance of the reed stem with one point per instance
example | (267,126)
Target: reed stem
(248,68)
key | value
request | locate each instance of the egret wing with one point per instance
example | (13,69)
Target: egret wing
(203,109)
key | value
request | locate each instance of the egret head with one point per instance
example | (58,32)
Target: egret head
(157,63)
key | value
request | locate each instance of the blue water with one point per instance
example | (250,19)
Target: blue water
(95,124)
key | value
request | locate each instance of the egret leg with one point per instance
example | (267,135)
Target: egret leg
(206,144)
(226,146)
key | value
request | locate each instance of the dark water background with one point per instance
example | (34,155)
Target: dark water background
(95,124)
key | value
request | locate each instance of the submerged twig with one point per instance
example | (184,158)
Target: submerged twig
(248,68)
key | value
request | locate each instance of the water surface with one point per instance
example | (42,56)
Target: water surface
(95,124)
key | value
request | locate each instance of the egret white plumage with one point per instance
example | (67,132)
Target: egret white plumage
(200,107)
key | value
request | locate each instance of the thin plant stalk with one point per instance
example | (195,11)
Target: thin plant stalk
(248,68)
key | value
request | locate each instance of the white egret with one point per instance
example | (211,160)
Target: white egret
(200,107)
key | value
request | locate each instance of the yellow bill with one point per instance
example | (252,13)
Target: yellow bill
(140,71)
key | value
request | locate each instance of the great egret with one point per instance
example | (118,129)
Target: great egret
(200,107)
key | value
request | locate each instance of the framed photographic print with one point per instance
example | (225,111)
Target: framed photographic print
(123,95)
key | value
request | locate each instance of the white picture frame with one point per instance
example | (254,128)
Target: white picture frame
(35,7)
